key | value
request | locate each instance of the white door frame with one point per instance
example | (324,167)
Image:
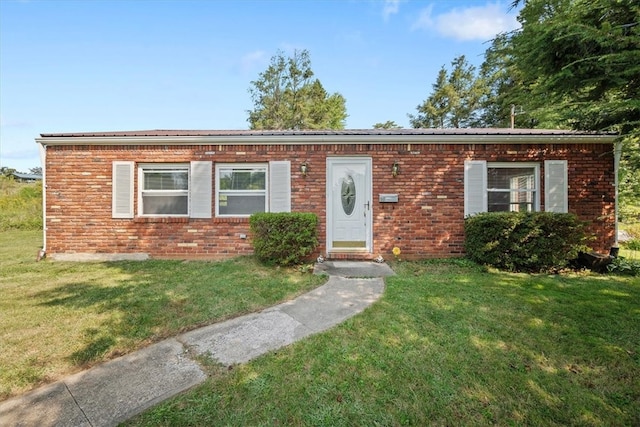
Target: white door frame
(364,201)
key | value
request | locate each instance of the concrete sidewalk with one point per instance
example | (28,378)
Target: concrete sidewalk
(119,389)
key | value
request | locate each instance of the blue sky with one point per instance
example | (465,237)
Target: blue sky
(90,65)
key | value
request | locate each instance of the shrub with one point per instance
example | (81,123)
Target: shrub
(624,267)
(20,205)
(629,213)
(631,229)
(633,245)
(531,242)
(284,238)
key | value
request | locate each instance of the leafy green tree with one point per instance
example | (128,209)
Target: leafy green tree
(504,89)
(629,180)
(495,103)
(434,110)
(454,100)
(321,110)
(580,62)
(7,171)
(466,92)
(389,124)
(286,96)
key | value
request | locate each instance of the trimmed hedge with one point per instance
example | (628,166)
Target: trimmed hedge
(286,238)
(531,241)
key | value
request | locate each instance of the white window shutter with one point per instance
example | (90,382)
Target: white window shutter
(280,186)
(556,192)
(201,189)
(475,187)
(122,190)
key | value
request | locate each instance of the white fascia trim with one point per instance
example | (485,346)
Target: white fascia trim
(327,139)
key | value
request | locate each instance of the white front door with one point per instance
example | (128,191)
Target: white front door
(349,204)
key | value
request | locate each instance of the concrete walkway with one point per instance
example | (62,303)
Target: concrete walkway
(119,389)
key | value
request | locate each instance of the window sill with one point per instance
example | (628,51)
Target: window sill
(166,220)
(231,220)
(183,220)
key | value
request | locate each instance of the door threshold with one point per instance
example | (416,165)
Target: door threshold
(359,255)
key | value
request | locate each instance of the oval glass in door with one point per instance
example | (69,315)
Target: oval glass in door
(348,194)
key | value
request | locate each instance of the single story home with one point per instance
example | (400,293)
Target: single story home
(26,177)
(189,193)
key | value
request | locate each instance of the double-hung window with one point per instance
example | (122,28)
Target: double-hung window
(186,189)
(514,186)
(241,189)
(164,189)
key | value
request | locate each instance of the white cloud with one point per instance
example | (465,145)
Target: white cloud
(424,21)
(390,7)
(471,23)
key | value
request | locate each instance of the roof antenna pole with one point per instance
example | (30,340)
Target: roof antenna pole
(513,115)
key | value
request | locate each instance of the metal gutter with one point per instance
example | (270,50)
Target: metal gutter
(43,161)
(617,155)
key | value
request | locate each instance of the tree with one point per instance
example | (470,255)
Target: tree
(466,92)
(455,98)
(36,170)
(286,96)
(580,62)
(504,89)
(434,110)
(389,124)
(629,179)
(7,171)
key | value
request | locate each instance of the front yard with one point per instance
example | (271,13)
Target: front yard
(449,343)
(59,317)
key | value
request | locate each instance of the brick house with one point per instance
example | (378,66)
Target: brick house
(188,194)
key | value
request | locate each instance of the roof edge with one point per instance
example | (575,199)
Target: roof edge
(477,136)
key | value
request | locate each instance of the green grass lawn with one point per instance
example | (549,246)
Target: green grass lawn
(20,205)
(59,317)
(449,344)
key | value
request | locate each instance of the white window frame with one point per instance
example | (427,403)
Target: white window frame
(522,196)
(556,185)
(182,167)
(245,167)
(514,194)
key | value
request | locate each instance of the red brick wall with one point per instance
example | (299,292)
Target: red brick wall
(427,221)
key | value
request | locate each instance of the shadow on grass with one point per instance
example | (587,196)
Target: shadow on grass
(92,350)
(80,295)
(121,314)
(122,306)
